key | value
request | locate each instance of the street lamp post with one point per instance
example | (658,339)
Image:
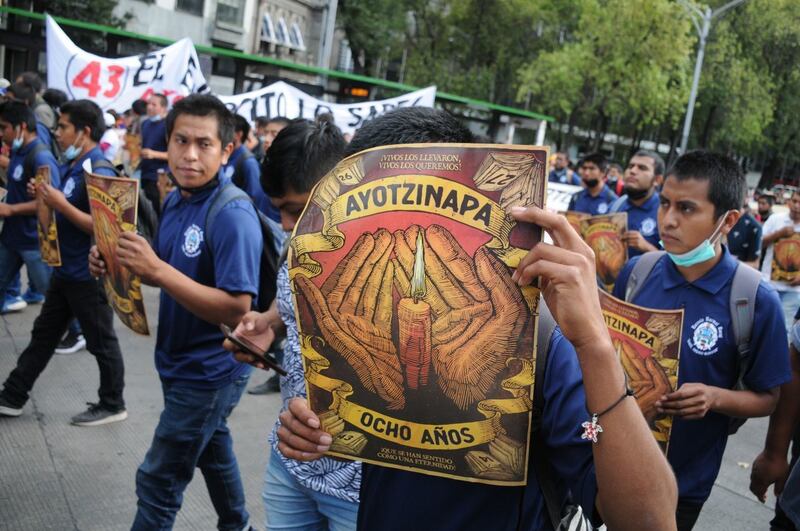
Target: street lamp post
(702,20)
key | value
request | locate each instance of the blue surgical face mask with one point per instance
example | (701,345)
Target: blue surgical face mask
(17,143)
(72,152)
(702,253)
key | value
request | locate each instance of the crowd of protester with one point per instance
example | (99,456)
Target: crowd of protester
(690,223)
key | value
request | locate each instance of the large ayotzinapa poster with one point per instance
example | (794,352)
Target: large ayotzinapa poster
(46,222)
(648,343)
(604,235)
(417,345)
(114,202)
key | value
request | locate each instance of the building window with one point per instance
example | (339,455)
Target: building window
(296,37)
(267,29)
(230,11)
(195,7)
(282,33)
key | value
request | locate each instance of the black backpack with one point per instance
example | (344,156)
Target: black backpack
(270,261)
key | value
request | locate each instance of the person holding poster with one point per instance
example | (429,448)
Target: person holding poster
(699,204)
(640,201)
(154,147)
(624,475)
(781,266)
(208,275)
(72,291)
(597,197)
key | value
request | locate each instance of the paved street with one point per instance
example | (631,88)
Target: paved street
(61,477)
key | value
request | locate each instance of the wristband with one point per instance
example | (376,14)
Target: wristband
(592,428)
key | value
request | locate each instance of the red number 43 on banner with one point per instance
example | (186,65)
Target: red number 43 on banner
(90,79)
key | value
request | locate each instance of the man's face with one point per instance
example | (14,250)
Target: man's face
(613,173)
(291,205)
(794,206)
(763,206)
(640,173)
(194,150)
(270,132)
(154,107)
(591,171)
(686,215)
(561,161)
(9,132)
(66,134)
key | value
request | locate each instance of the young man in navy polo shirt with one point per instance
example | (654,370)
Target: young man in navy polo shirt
(72,291)
(699,204)
(19,241)
(596,198)
(208,275)
(640,201)
(154,147)
(625,476)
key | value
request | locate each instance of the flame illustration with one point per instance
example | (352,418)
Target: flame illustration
(418,289)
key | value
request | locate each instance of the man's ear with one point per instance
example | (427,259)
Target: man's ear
(731,218)
(226,152)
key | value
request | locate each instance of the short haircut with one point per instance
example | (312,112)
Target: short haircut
(300,156)
(24,93)
(241,125)
(597,158)
(615,166)
(204,105)
(161,99)
(55,98)
(279,120)
(139,107)
(16,113)
(726,182)
(261,121)
(31,79)
(658,162)
(769,198)
(409,125)
(85,113)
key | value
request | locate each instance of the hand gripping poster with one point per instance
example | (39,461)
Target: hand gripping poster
(46,222)
(604,235)
(113,202)
(648,343)
(786,259)
(417,345)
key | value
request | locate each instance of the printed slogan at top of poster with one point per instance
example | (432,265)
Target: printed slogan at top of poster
(116,83)
(417,345)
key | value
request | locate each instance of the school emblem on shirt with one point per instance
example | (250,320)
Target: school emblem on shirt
(192,239)
(69,187)
(17,175)
(648,227)
(602,208)
(706,333)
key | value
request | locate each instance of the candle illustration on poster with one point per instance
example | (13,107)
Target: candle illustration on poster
(414,324)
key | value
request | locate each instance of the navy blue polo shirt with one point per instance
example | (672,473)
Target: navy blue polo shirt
(154,136)
(644,219)
(19,232)
(584,202)
(393,499)
(560,176)
(73,242)
(252,182)
(744,239)
(188,349)
(709,356)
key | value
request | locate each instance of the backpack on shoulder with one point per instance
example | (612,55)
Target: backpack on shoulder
(742,303)
(238,170)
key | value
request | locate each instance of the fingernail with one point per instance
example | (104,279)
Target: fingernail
(314,423)
(249,326)
(517,210)
(514,276)
(325,440)
(322,448)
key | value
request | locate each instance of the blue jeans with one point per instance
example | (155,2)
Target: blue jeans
(291,506)
(790,301)
(11,261)
(192,433)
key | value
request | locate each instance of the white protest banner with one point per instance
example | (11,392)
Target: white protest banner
(558,196)
(282,99)
(116,83)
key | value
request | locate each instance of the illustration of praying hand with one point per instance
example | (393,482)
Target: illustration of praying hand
(646,377)
(353,311)
(478,311)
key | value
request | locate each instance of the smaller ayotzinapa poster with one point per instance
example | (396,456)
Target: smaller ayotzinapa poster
(417,346)
(648,343)
(46,222)
(786,259)
(114,202)
(604,235)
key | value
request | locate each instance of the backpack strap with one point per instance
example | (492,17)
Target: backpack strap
(104,163)
(541,464)
(616,205)
(641,270)
(238,169)
(228,194)
(744,289)
(29,162)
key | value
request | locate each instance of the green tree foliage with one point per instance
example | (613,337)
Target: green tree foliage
(97,11)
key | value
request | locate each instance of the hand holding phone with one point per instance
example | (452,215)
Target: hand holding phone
(248,347)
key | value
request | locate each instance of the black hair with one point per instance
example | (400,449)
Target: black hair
(300,156)
(241,125)
(16,113)
(204,105)
(726,181)
(614,165)
(658,162)
(23,93)
(85,113)
(32,80)
(596,158)
(162,99)
(278,120)
(139,107)
(769,198)
(261,121)
(409,125)
(55,98)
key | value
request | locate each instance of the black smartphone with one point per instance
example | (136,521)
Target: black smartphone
(253,350)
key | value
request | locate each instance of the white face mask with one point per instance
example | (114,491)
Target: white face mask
(703,252)
(17,143)
(72,152)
